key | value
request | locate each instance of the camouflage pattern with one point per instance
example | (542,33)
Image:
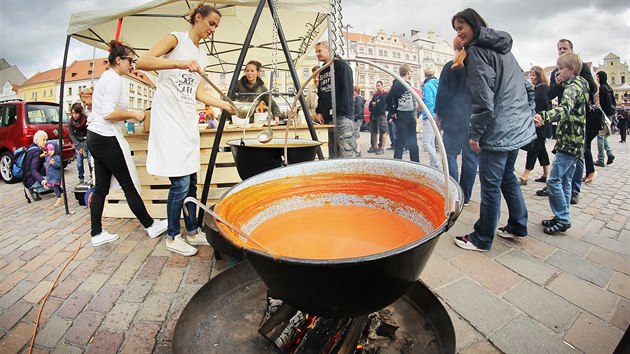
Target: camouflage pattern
(571,117)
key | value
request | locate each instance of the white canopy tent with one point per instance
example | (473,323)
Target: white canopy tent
(303,23)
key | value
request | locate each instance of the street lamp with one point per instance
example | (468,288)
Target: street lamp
(348,40)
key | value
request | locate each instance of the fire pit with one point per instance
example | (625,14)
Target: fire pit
(331,227)
(225,315)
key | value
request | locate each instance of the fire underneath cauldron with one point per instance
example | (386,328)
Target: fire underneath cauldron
(225,316)
(253,157)
(335,286)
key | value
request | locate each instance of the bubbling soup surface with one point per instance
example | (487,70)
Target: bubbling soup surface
(335,232)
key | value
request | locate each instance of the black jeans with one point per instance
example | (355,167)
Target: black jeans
(588,156)
(406,136)
(109,160)
(539,152)
(623,128)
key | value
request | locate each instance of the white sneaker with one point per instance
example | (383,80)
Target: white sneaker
(198,239)
(178,245)
(158,227)
(103,238)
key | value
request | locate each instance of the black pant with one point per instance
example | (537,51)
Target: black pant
(588,157)
(623,128)
(109,160)
(538,151)
(406,136)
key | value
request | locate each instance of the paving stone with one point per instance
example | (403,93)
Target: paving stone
(18,291)
(481,347)
(177,261)
(10,281)
(34,296)
(543,305)
(152,267)
(111,263)
(569,244)
(17,338)
(140,253)
(49,309)
(85,268)
(524,335)
(439,272)
(35,263)
(94,282)
(141,339)
(486,271)
(480,307)
(584,294)
(621,317)
(84,327)
(13,266)
(499,247)
(74,304)
(609,259)
(52,332)
(620,285)
(592,335)
(198,273)
(607,243)
(41,273)
(13,315)
(124,273)
(464,332)
(104,300)
(67,349)
(169,280)
(154,308)
(60,258)
(106,342)
(35,351)
(120,317)
(137,290)
(586,270)
(527,266)
(534,247)
(65,287)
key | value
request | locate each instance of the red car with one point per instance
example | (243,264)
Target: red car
(19,121)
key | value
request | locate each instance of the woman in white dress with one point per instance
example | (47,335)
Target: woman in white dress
(174,139)
(109,148)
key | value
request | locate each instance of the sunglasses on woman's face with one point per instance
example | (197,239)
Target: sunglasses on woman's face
(131,60)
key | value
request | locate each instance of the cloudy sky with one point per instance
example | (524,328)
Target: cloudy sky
(33,32)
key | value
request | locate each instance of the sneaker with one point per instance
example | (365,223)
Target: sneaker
(557,227)
(380,152)
(575,198)
(549,222)
(103,238)
(158,227)
(542,179)
(503,232)
(34,195)
(542,192)
(610,160)
(179,246)
(464,242)
(599,163)
(372,150)
(198,239)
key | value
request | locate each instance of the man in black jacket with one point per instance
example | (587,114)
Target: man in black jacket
(378,120)
(341,141)
(555,90)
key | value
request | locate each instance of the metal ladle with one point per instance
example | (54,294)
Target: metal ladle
(265,135)
(244,237)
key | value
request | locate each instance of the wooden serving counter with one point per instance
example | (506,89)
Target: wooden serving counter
(155,189)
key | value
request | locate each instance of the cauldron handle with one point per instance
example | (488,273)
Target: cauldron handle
(447,189)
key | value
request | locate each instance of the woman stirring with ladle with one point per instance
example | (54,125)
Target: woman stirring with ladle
(173,149)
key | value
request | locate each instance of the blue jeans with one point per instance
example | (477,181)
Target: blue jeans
(603,149)
(80,168)
(576,181)
(496,174)
(181,187)
(454,144)
(559,185)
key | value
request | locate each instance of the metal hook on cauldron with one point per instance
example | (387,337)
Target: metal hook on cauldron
(244,237)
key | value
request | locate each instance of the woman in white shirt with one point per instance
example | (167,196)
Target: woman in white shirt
(109,148)
(174,139)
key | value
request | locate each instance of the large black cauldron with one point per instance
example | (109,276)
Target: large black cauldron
(253,157)
(353,286)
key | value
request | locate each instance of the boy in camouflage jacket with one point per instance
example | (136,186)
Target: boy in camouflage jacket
(571,118)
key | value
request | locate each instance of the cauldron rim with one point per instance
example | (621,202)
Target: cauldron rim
(353,260)
(305,142)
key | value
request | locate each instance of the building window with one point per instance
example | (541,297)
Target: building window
(305,72)
(371,79)
(362,79)
(380,52)
(370,51)
(407,56)
(361,50)
(623,80)
(69,91)
(44,93)
(414,57)
(50,93)
(612,80)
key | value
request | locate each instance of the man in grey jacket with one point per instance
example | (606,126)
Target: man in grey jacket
(501,122)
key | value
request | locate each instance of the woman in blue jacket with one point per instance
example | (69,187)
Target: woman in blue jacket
(501,122)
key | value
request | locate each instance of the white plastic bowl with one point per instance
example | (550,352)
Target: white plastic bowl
(239,121)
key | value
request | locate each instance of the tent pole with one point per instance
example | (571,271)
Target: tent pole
(294,76)
(225,115)
(61,110)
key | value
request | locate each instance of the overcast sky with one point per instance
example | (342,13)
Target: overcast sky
(33,32)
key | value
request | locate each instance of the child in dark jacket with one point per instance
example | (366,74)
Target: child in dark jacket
(52,161)
(571,118)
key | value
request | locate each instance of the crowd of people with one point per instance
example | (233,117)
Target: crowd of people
(485,108)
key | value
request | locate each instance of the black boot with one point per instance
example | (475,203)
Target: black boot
(575,198)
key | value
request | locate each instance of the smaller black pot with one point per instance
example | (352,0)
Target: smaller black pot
(253,157)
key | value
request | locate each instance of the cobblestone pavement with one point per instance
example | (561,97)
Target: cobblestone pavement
(567,293)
